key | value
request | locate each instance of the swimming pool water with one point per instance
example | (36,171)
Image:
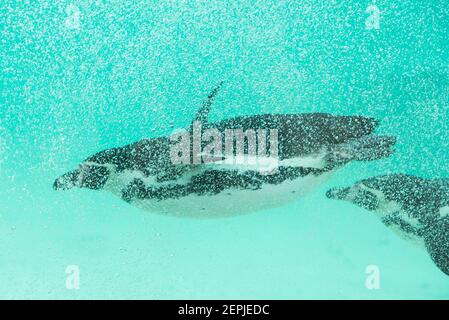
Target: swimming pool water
(79,77)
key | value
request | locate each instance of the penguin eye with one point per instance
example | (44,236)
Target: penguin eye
(372,184)
(367,200)
(93,177)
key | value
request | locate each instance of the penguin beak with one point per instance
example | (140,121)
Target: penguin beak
(67,181)
(338,193)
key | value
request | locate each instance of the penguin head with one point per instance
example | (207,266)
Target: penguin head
(88,175)
(365,194)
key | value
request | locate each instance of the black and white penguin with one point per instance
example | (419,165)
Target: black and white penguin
(415,208)
(301,151)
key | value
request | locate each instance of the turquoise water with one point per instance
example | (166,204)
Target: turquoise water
(82,76)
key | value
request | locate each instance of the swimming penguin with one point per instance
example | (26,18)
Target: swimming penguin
(268,160)
(415,208)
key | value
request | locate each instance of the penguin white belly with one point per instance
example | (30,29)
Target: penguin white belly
(394,208)
(232,201)
(411,238)
(444,212)
(388,209)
